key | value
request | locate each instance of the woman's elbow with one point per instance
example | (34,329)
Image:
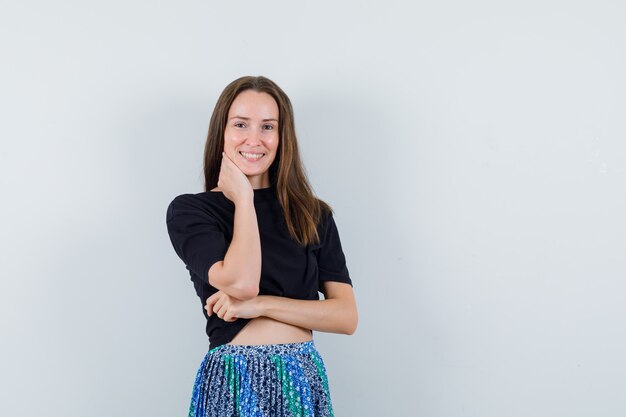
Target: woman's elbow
(221,278)
(245,292)
(352,323)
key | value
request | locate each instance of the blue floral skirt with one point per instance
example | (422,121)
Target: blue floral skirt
(278,380)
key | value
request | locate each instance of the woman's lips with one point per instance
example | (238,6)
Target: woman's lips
(254,159)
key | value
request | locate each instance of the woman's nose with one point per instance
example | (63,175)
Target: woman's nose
(253,137)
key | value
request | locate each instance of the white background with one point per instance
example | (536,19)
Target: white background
(474,153)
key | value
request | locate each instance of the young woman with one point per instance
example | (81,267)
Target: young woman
(259,247)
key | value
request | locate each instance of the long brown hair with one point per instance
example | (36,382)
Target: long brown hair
(303,210)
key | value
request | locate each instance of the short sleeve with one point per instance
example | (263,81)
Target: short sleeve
(195,235)
(331,260)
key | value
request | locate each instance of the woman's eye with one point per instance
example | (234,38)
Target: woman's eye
(269,127)
(238,124)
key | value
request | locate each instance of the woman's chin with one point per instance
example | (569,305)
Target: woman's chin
(252,172)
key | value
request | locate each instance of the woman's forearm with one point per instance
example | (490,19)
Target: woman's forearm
(243,259)
(331,315)
(240,272)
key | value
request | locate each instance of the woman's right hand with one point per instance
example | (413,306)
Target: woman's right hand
(233,183)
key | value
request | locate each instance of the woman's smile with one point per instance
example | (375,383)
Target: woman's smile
(251,157)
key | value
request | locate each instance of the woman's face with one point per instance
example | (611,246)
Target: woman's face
(251,135)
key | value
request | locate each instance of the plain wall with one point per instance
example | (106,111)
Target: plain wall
(474,153)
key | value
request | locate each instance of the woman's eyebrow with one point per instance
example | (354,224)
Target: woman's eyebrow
(247,118)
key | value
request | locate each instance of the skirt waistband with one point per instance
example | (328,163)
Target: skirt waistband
(271,349)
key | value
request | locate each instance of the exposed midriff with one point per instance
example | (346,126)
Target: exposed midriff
(265,330)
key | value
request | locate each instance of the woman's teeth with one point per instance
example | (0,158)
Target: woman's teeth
(252,156)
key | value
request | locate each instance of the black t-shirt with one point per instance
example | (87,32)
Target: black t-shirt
(200,227)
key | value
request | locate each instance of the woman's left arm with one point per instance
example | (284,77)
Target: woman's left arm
(337,313)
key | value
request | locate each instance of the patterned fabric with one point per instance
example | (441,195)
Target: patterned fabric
(276,380)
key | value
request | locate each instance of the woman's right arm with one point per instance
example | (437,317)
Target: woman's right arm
(238,275)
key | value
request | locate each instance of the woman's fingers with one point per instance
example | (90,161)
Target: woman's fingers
(219,303)
(212,301)
(229,316)
(222,311)
(232,180)
(219,306)
(208,306)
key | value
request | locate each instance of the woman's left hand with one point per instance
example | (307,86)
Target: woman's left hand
(230,308)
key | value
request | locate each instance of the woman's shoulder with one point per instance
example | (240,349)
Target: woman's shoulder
(195,198)
(326,211)
(205,201)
